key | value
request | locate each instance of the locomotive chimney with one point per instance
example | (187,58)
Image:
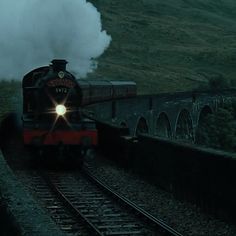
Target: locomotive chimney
(59,65)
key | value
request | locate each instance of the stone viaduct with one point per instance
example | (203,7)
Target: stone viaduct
(172,116)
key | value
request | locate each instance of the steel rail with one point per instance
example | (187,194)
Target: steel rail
(168,231)
(71,207)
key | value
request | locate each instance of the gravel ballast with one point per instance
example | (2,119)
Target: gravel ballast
(25,215)
(183,217)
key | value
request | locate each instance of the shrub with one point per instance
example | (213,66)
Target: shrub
(218,130)
(218,82)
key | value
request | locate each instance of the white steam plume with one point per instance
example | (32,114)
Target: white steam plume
(33,32)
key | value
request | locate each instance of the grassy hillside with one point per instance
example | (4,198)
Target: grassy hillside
(10,97)
(168,45)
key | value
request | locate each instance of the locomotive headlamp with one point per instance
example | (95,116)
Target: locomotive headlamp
(60,110)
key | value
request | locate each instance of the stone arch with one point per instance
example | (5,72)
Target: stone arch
(205,111)
(123,124)
(142,126)
(184,126)
(201,124)
(163,128)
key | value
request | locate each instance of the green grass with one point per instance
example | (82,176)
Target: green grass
(10,97)
(168,45)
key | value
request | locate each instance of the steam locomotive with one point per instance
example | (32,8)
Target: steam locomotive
(53,100)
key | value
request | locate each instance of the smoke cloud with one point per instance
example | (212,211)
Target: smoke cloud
(33,32)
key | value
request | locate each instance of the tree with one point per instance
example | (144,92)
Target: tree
(219,130)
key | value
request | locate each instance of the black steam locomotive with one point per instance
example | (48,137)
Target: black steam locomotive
(52,103)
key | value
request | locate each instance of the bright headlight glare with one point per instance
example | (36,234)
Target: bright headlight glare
(60,110)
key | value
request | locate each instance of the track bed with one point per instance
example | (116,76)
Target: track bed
(82,205)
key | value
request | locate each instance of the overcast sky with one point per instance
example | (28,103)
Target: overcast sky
(33,32)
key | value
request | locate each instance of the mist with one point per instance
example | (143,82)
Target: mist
(33,32)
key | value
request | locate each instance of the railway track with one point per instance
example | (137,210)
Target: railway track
(82,205)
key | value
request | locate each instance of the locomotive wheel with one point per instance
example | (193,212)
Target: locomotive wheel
(77,158)
(69,157)
(56,157)
(38,156)
(90,154)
